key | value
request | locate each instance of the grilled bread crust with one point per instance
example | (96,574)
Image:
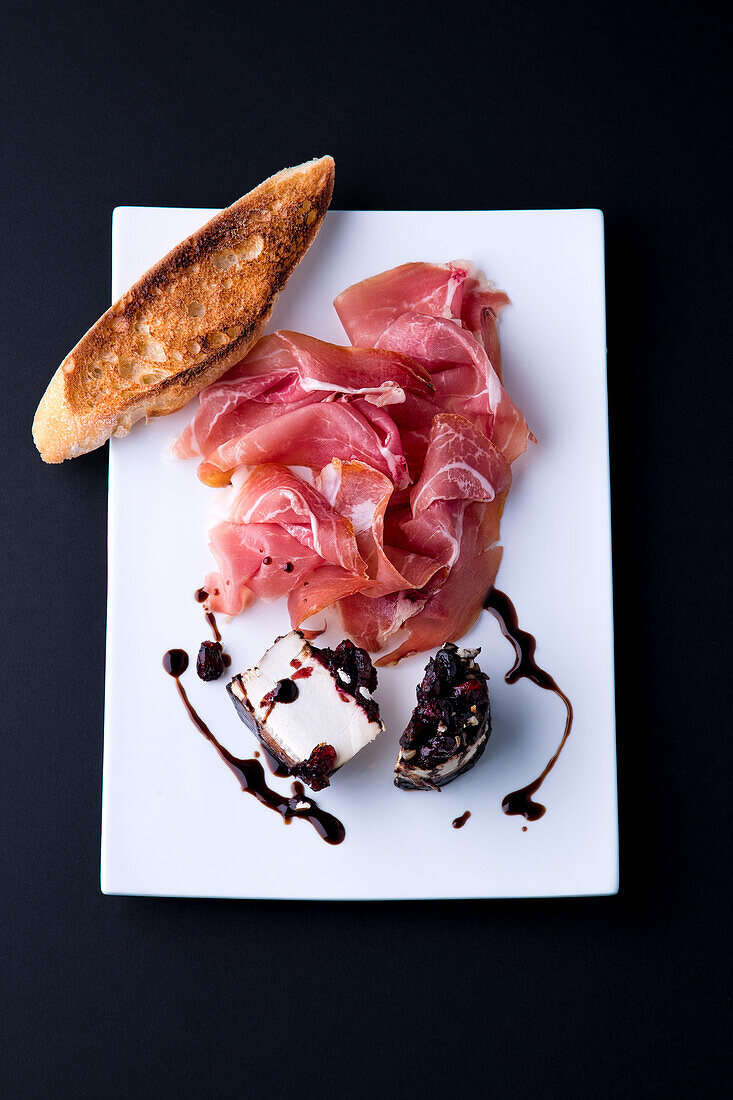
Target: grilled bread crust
(188,319)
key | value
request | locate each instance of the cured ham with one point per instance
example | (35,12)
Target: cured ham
(326,585)
(461,464)
(454,290)
(362,494)
(464,377)
(454,519)
(314,434)
(409,435)
(273,494)
(243,575)
(282,538)
(453,609)
(443,316)
(289,370)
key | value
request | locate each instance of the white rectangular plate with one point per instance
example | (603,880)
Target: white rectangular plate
(174,820)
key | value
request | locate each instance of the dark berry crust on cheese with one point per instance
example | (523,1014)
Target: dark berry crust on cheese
(354,673)
(450,725)
(318,768)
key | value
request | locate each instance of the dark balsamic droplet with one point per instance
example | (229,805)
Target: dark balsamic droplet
(520,803)
(200,595)
(288,567)
(525,666)
(284,691)
(267,560)
(459,822)
(175,662)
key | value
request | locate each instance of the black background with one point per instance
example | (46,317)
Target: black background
(621,106)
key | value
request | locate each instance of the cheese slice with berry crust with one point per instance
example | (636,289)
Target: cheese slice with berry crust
(311,708)
(450,725)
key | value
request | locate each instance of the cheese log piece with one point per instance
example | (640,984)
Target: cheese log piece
(305,711)
(188,320)
(450,725)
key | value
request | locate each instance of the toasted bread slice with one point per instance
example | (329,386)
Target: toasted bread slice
(188,320)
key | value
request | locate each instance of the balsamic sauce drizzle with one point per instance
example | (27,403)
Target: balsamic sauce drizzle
(250,772)
(525,666)
(200,596)
(211,620)
(459,822)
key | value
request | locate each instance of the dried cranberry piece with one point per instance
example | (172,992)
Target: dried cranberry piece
(437,750)
(408,736)
(430,681)
(362,662)
(210,661)
(343,651)
(448,665)
(470,690)
(433,712)
(318,767)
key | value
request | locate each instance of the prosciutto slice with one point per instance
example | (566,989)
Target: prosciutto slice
(443,316)
(326,585)
(453,609)
(239,550)
(461,464)
(243,575)
(454,520)
(289,370)
(274,494)
(282,538)
(454,290)
(464,377)
(312,435)
(362,494)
